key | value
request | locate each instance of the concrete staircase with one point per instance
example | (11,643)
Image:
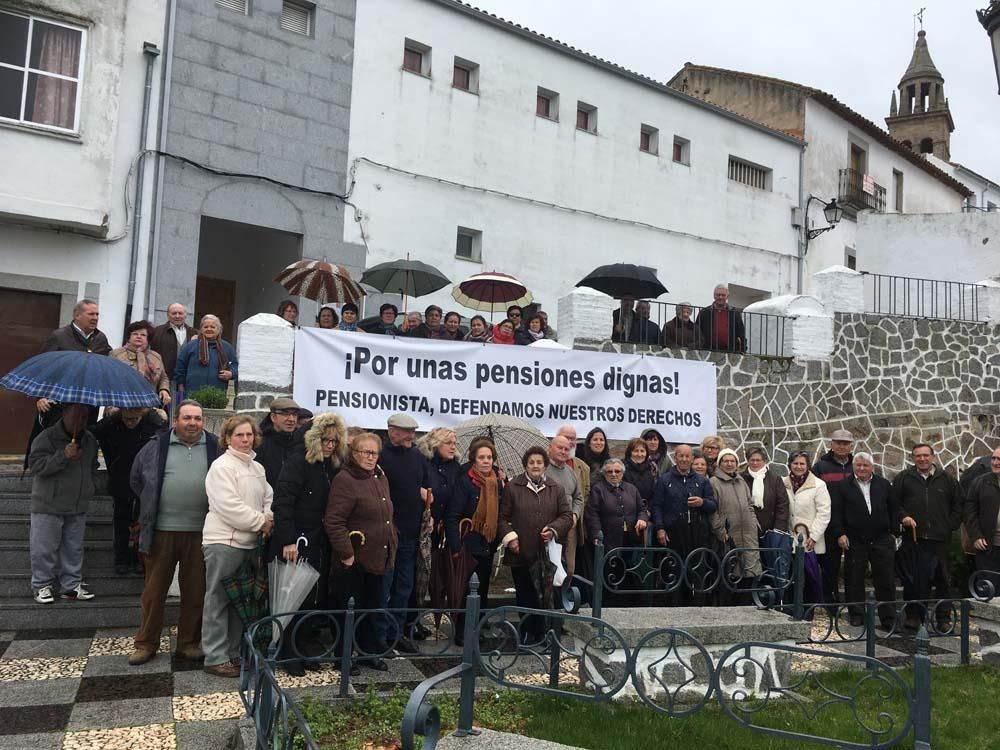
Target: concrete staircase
(116,601)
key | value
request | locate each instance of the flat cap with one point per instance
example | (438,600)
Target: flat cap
(402,422)
(283,403)
(844,435)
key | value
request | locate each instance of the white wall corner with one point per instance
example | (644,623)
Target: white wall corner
(584,314)
(988,299)
(266,348)
(806,334)
(840,289)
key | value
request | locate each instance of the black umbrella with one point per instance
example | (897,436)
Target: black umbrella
(410,278)
(625,280)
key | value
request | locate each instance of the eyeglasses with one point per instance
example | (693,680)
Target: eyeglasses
(328,441)
(367,454)
(286,412)
(613,471)
(995,458)
(514,315)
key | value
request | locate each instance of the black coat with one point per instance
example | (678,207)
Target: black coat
(776,512)
(68,339)
(276,448)
(299,504)
(120,446)
(644,331)
(850,512)
(164,342)
(934,503)
(615,511)
(407,471)
(643,477)
(443,476)
(462,504)
(982,503)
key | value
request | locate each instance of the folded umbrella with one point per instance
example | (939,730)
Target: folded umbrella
(247,592)
(81,378)
(288,586)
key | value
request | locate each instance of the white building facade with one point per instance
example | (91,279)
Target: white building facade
(478,145)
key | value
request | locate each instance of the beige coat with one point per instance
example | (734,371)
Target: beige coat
(239,500)
(735,506)
(810,506)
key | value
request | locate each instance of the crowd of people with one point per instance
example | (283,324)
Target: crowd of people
(365,511)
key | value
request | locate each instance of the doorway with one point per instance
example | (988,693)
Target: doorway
(29,318)
(218,297)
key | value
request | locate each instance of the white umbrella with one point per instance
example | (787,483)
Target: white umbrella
(288,586)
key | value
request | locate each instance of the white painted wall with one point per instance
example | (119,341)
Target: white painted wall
(719,230)
(62,179)
(829,137)
(986,190)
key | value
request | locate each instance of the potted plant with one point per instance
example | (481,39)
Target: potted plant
(213,403)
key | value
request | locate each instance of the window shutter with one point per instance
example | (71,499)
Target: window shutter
(238,6)
(296,18)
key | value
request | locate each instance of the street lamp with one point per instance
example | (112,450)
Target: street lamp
(989,17)
(831,211)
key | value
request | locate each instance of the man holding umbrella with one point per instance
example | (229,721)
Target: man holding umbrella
(63,463)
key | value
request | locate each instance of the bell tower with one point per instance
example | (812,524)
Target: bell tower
(921,119)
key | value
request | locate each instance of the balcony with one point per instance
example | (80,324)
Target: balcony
(859,192)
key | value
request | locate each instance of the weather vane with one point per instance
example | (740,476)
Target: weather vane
(920,17)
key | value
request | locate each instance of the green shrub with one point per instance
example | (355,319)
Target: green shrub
(210,397)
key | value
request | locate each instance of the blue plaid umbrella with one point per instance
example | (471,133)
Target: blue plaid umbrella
(81,378)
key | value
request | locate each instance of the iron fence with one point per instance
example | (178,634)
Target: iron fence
(859,191)
(679,326)
(908,297)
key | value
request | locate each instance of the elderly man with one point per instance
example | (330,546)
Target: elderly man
(279,438)
(864,521)
(834,466)
(168,475)
(407,471)
(929,504)
(621,319)
(982,519)
(643,330)
(721,326)
(63,462)
(167,339)
(121,436)
(681,332)
(577,534)
(562,470)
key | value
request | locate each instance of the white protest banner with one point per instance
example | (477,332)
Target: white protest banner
(367,377)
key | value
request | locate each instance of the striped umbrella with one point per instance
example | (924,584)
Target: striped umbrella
(81,378)
(487,291)
(320,281)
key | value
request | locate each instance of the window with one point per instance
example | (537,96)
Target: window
(417,58)
(469,244)
(547,104)
(851,258)
(296,18)
(649,139)
(682,150)
(897,184)
(586,117)
(927,146)
(465,76)
(749,174)
(237,6)
(41,62)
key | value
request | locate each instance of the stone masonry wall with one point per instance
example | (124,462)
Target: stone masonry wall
(892,382)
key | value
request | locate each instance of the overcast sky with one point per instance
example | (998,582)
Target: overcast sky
(856,50)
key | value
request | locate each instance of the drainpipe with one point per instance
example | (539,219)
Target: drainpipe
(153,251)
(151,51)
(805,222)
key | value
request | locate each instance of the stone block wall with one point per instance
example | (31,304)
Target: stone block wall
(892,382)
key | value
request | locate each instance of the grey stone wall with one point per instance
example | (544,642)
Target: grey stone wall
(247,96)
(892,382)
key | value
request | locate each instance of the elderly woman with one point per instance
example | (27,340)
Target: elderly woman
(656,450)
(363,540)
(137,355)
(594,451)
(640,472)
(348,318)
(300,500)
(710,447)
(432,328)
(440,447)
(288,311)
(479,331)
(681,332)
(767,493)
(453,327)
(327,318)
(809,504)
(239,513)
(735,521)
(503,332)
(207,360)
(533,510)
(532,330)
(616,509)
(471,517)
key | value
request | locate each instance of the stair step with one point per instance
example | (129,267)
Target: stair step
(16,526)
(20,502)
(13,482)
(17,583)
(101,612)
(14,555)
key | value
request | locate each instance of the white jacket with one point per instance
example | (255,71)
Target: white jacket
(239,500)
(811,506)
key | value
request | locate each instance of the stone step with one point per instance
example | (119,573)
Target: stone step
(97,555)
(101,612)
(15,527)
(12,481)
(20,502)
(101,582)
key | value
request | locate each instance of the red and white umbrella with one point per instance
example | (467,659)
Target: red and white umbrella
(320,281)
(491,290)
